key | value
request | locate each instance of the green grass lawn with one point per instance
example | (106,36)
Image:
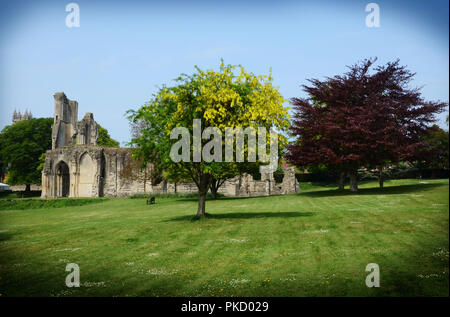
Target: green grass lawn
(316,243)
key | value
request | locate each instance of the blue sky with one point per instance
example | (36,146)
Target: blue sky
(123,51)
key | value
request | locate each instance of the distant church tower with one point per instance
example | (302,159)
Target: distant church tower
(17,116)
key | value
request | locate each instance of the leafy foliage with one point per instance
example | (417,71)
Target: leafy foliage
(219,99)
(104,139)
(435,153)
(360,119)
(21,146)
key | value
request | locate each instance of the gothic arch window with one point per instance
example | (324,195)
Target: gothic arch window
(62,179)
(87,168)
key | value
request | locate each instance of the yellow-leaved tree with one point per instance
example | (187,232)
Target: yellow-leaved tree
(220,99)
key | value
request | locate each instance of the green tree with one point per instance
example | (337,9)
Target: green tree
(21,146)
(434,154)
(221,172)
(218,99)
(104,139)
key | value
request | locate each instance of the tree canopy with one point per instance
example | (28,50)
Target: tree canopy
(435,153)
(360,118)
(21,146)
(218,99)
(104,139)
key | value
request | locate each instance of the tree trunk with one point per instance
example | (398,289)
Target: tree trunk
(164,186)
(380,177)
(215,185)
(201,205)
(203,186)
(213,193)
(341,180)
(27,188)
(433,174)
(145,181)
(354,181)
(214,188)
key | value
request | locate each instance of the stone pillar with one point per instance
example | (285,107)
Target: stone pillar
(290,183)
(47,177)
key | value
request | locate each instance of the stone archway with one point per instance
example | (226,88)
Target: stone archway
(62,179)
(86,177)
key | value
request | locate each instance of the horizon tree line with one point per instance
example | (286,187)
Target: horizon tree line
(368,116)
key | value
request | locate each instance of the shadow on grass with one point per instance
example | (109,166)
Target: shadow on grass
(225,198)
(244,215)
(5,235)
(390,190)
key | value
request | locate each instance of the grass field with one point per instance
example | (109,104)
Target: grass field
(316,243)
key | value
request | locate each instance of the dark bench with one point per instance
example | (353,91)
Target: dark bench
(151,201)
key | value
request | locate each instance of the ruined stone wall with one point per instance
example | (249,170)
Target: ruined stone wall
(64,129)
(230,187)
(243,186)
(87,130)
(33,187)
(86,170)
(117,182)
(105,172)
(290,183)
(93,172)
(188,188)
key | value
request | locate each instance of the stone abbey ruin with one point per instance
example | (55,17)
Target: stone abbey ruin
(77,167)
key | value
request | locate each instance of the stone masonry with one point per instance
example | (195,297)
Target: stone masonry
(77,167)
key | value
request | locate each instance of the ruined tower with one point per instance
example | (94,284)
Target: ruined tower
(64,129)
(87,130)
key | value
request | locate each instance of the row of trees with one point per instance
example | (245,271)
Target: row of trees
(366,117)
(23,146)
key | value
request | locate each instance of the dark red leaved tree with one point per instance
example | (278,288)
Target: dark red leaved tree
(362,118)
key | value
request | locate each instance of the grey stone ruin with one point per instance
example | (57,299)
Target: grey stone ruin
(64,129)
(87,130)
(77,167)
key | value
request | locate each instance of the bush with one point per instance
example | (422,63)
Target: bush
(21,194)
(400,171)
(278,176)
(6,193)
(31,193)
(315,178)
